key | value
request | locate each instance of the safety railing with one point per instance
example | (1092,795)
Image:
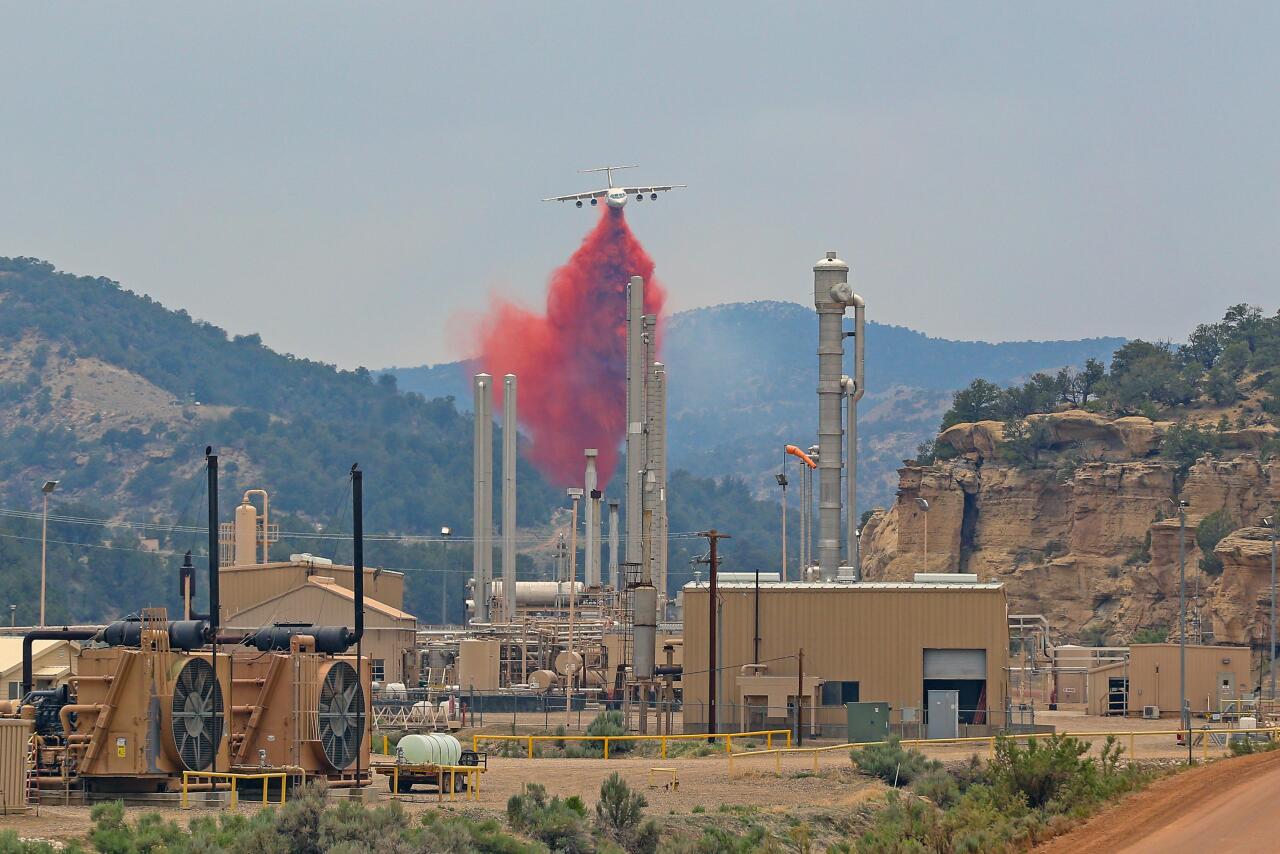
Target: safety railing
(728,737)
(1205,736)
(233,777)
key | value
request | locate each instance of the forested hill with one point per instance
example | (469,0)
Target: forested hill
(116,396)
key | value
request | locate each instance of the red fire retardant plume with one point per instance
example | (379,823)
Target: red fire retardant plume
(572,361)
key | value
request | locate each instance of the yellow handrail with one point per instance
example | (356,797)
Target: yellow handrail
(768,734)
(990,740)
(265,776)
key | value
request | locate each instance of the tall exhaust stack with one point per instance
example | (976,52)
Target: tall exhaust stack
(482,503)
(509,497)
(831,293)
(591,491)
(613,544)
(636,452)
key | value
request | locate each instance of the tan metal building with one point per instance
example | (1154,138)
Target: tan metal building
(242,587)
(15,738)
(390,635)
(1150,677)
(873,641)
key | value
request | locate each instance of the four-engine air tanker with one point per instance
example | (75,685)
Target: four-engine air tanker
(614,197)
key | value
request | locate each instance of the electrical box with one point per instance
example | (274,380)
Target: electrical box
(867,721)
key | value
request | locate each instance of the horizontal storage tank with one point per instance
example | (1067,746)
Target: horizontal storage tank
(535,593)
(435,748)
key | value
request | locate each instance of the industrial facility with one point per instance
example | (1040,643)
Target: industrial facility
(300,663)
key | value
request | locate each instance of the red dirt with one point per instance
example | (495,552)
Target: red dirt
(1222,807)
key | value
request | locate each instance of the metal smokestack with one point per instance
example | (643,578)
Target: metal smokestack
(613,544)
(591,561)
(831,294)
(509,497)
(636,453)
(357,552)
(482,500)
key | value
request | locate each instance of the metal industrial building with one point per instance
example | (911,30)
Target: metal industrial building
(1146,681)
(901,643)
(314,591)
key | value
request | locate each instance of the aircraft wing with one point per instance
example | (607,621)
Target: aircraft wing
(631,191)
(579,197)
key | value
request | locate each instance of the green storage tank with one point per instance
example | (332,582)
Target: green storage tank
(867,721)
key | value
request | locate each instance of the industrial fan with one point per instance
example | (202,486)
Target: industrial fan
(341,714)
(197,719)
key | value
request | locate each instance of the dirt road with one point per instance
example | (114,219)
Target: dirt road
(1224,807)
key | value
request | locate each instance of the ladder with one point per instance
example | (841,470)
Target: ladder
(33,783)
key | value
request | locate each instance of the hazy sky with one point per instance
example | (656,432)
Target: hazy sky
(353,180)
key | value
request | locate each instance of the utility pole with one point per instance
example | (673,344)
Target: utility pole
(781,477)
(575,495)
(1272,522)
(1185,708)
(757,622)
(800,699)
(49,487)
(444,579)
(713,538)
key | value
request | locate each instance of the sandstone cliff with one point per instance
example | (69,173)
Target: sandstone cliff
(1089,536)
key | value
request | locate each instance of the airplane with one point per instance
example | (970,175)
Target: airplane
(614,197)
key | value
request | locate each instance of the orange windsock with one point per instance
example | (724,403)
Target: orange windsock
(796,452)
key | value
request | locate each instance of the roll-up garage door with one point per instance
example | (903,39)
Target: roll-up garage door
(955,664)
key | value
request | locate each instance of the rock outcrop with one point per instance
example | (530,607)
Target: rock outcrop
(1094,544)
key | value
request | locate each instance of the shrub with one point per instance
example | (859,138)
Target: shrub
(560,825)
(1209,533)
(1155,634)
(891,763)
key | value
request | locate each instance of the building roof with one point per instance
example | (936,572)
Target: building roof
(863,586)
(324,585)
(11,651)
(337,589)
(304,564)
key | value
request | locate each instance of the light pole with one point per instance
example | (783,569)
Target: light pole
(444,579)
(1270,522)
(781,477)
(924,508)
(13,615)
(47,489)
(1185,708)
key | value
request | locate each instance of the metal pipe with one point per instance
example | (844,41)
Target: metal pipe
(509,496)
(1274,523)
(481,488)
(853,393)
(657,441)
(357,549)
(211,461)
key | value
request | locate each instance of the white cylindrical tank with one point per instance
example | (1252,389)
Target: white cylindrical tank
(395,691)
(645,601)
(246,535)
(433,748)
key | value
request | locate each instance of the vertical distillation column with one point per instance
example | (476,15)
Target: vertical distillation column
(482,499)
(613,544)
(830,295)
(591,560)
(509,497)
(636,453)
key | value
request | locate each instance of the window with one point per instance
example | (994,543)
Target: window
(839,693)
(379,670)
(14,689)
